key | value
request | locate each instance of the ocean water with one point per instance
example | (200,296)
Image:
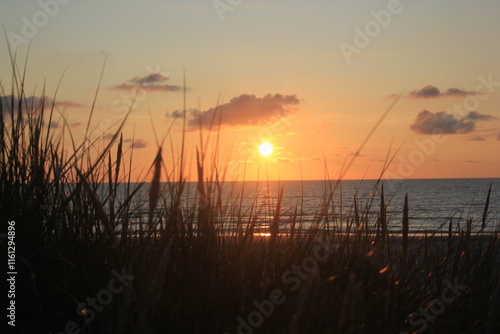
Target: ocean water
(432,203)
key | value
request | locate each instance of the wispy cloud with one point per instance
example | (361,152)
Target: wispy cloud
(475,116)
(75,124)
(426,92)
(35,103)
(357,154)
(458,92)
(293,160)
(139,143)
(283,160)
(53,125)
(431,91)
(443,122)
(289,133)
(68,104)
(154,82)
(244,110)
(132,143)
(108,136)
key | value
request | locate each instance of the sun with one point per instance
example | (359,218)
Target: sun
(265,149)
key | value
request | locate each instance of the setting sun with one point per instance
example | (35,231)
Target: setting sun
(265,149)
(254,162)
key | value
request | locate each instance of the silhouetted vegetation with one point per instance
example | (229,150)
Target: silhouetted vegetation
(194,274)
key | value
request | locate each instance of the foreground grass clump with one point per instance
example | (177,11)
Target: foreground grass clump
(82,265)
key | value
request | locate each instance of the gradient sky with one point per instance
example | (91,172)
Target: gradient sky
(281,73)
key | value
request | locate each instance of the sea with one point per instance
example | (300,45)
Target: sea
(327,205)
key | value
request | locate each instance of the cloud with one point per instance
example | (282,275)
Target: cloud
(475,116)
(139,143)
(68,104)
(430,91)
(244,110)
(442,122)
(426,92)
(133,143)
(477,138)
(155,82)
(35,103)
(289,133)
(283,160)
(50,125)
(458,92)
(498,136)
(75,124)
(108,136)
(53,125)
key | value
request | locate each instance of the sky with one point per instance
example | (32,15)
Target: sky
(338,88)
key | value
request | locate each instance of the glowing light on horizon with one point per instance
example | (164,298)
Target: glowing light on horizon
(262,234)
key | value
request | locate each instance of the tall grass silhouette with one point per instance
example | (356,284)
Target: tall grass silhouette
(201,267)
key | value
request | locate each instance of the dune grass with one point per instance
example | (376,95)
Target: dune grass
(190,275)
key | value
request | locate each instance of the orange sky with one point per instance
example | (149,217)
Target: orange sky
(313,80)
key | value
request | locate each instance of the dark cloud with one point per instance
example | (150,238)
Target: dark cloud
(178,113)
(139,143)
(356,154)
(442,122)
(68,104)
(244,110)
(34,103)
(152,78)
(155,82)
(53,125)
(133,143)
(426,92)
(475,116)
(108,136)
(458,92)
(430,91)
